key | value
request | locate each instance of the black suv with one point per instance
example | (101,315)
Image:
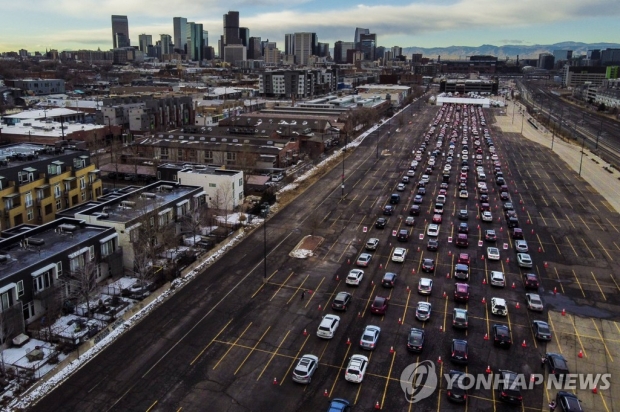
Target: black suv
(415,341)
(403,235)
(463,215)
(557,364)
(341,301)
(388,280)
(381,222)
(388,210)
(568,401)
(432,245)
(395,198)
(459,351)
(510,390)
(415,210)
(501,336)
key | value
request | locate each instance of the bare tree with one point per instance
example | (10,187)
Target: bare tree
(11,325)
(193,221)
(223,200)
(82,280)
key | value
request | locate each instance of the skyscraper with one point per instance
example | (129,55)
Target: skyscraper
(145,40)
(358,32)
(179,32)
(340,50)
(244,35)
(367,45)
(303,47)
(166,41)
(195,41)
(254,49)
(231,28)
(120,24)
(289,44)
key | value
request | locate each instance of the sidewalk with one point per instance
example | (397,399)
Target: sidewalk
(605,183)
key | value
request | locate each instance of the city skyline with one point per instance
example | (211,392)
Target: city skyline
(85,24)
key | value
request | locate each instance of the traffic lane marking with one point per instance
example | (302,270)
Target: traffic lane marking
(210,343)
(232,346)
(599,286)
(280,288)
(251,351)
(275,353)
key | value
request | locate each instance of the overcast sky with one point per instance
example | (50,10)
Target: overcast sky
(85,24)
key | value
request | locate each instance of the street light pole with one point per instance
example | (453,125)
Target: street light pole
(522,117)
(344,153)
(598,135)
(265,212)
(583,142)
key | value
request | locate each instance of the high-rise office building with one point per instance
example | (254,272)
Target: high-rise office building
(265,44)
(231,28)
(323,50)
(562,55)
(235,53)
(303,47)
(145,40)
(120,24)
(254,49)
(546,61)
(165,43)
(397,52)
(179,32)
(358,32)
(122,41)
(195,41)
(289,44)
(367,45)
(244,35)
(340,50)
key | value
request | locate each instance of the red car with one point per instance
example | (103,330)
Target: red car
(461,240)
(443,192)
(463,258)
(380,305)
(517,233)
(531,281)
(437,218)
(461,292)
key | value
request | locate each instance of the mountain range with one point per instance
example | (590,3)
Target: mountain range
(510,51)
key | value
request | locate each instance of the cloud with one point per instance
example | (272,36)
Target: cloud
(512,41)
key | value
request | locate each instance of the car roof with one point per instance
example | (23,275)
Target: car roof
(499,301)
(373,328)
(460,286)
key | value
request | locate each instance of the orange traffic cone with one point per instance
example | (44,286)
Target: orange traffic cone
(513,285)
(447,276)
(484,300)
(305,332)
(546,265)
(439,360)
(524,345)
(348,341)
(501,229)
(359,314)
(325,393)
(413,271)
(391,349)
(517,305)
(319,307)
(486,336)
(507,260)
(380,266)
(408,288)
(337,277)
(484,281)
(400,321)
(488,369)
(440,328)
(348,261)
(539,249)
(532,231)
(444,294)
(563,312)
(275,381)
(482,257)
(594,390)
(418,248)
(580,354)
(555,290)
(377,406)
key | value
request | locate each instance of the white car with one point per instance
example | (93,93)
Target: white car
(447,167)
(356,368)
(328,326)
(425,286)
(534,302)
(400,187)
(425,179)
(498,279)
(372,243)
(481,185)
(492,253)
(305,368)
(433,230)
(354,277)
(524,260)
(487,216)
(399,254)
(521,246)
(410,173)
(498,307)
(441,199)
(463,194)
(423,311)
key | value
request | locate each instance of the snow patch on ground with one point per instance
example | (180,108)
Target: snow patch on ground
(301,253)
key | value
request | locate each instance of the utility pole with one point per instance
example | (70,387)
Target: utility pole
(583,142)
(598,135)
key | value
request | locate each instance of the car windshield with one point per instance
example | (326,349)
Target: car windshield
(324,328)
(543,328)
(353,371)
(536,301)
(500,306)
(368,336)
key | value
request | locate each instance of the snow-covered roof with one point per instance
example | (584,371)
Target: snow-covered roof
(42,114)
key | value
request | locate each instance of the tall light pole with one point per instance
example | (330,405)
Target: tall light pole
(264,214)
(598,135)
(522,117)
(583,142)
(344,153)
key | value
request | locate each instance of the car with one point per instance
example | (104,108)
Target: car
(380,223)
(395,198)
(421,192)
(463,228)
(461,271)
(510,391)
(485,207)
(418,198)
(501,336)
(415,210)
(531,281)
(401,187)
(487,216)
(421,183)
(428,265)
(521,246)
(438,208)
(498,279)
(328,326)
(459,351)
(305,368)
(388,210)
(464,258)
(389,279)
(425,286)
(364,259)
(405,179)
(342,301)
(372,243)
(443,192)
(441,199)
(437,218)
(534,302)
(356,369)
(370,336)
(415,340)
(399,254)
(463,215)
(541,330)
(504,196)
(492,253)
(461,240)
(510,213)
(498,307)
(463,194)
(524,260)
(403,235)
(432,245)
(556,364)
(379,305)
(484,198)
(569,402)
(410,221)
(508,206)
(423,311)
(425,177)
(411,172)
(460,318)
(444,185)
(513,222)
(490,235)
(433,230)
(483,191)
(517,233)
(339,405)
(354,277)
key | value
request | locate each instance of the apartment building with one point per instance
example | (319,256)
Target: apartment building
(38,181)
(297,83)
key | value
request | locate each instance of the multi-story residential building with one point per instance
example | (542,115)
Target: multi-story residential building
(297,83)
(40,266)
(609,93)
(180,33)
(223,186)
(38,86)
(143,216)
(37,181)
(120,25)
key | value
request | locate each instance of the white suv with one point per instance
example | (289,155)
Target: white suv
(356,369)
(399,254)
(328,326)
(498,307)
(497,279)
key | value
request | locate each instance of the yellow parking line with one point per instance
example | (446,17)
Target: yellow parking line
(602,340)
(572,319)
(359,389)
(263,284)
(297,289)
(212,340)
(336,220)
(599,286)
(406,306)
(251,351)
(339,370)
(588,247)
(571,245)
(593,205)
(579,283)
(603,399)
(559,281)
(616,245)
(316,290)
(345,250)
(445,314)
(554,334)
(152,406)
(388,381)
(542,247)
(612,225)
(556,245)
(570,221)
(556,219)
(293,360)
(275,353)
(232,346)
(543,218)
(369,299)
(278,290)
(614,280)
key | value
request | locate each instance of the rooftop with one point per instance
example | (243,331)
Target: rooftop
(28,152)
(48,128)
(42,114)
(49,242)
